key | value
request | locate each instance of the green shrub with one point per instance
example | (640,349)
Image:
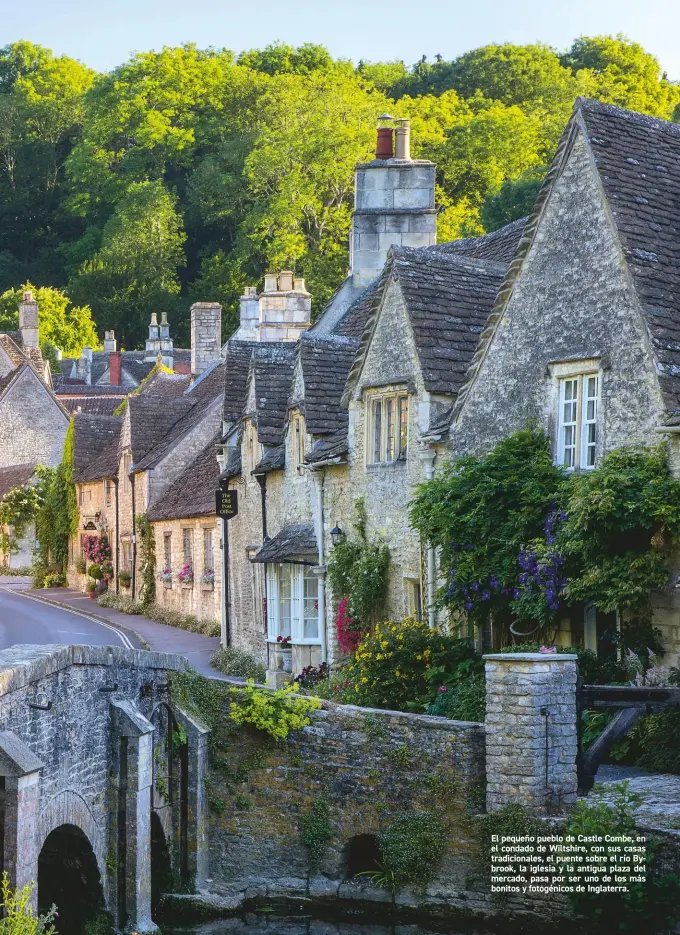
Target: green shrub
(121,602)
(18,917)
(400,666)
(316,831)
(95,572)
(463,701)
(274,712)
(124,577)
(21,571)
(412,847)
(81,566)
(54,580)
(656,742)
(237,662)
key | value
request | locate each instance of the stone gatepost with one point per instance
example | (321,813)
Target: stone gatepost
(197,817)
(20,805)
(531,740)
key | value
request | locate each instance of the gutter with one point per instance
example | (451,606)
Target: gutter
(115,482)
(667,429)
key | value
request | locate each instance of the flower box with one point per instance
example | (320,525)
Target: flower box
(167,585)
(207,586)
(188,585)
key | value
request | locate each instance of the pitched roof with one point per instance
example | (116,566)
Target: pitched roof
(498,247)
(296,541)
(91,436)
(151,417)
(329,448)
(325,361)
(165,384)
(13,351)
(638,162)
(13,376)
(210,383)
(237,366)
(94,405)
(353,322)
(271,369)
(193,493)
(273,459)
(182,426)
(15,476)
(106,463)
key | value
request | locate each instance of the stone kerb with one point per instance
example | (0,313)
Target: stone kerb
(531,737)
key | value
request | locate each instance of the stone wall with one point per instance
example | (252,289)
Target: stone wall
(369,766)
(32,424)
(201,600)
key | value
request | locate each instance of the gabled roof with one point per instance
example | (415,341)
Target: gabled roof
(12,349)
(210,383)
(637,159)
(182,426)
(325,362)
(165,384)
(193,493)
(8,381)
(93,405)
(91,436)
(152,417)
(271,370)
(237,367)
(497,247)
(448,299)
(15,476)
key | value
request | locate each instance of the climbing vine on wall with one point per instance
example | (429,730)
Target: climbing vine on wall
(57,518)
(358,571)
(17,508)
(147,559)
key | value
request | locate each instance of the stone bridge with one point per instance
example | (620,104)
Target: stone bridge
(101,780)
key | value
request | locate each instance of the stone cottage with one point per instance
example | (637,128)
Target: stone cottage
(583,337)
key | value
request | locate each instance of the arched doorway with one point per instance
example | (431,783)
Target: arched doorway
(161,867)
(68,878)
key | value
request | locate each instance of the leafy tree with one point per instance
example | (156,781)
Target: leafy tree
(136,270)
(620,72)
(513,200)
(280,58)
(61,324)
(221,280)
(383,75)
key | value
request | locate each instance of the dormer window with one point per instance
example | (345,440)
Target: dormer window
(577,424)
(387,424)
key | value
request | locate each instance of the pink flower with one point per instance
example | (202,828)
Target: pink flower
(441,689)
(548,649)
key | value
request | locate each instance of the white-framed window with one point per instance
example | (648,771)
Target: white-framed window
(577,426)
(292,603)
(387,428)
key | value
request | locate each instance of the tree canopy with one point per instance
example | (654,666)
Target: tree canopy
(184,173)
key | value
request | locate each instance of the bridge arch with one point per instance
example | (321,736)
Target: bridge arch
(69,808)
(68,877)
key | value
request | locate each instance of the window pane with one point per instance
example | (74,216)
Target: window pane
(208,560)
(403,426)
(390,430)
(589,431)
(310,609)
(569,422)
(377,429)
(285,600)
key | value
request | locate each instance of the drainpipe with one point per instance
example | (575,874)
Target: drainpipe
(115,484)
(134,537)
(427,456)
(321,570)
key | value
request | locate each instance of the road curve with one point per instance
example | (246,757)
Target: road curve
(25,619)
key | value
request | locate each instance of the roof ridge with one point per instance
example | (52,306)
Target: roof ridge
(634,116)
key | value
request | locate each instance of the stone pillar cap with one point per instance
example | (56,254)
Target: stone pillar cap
(530,657)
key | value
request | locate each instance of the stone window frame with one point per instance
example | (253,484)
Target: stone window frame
(167,549)
(188,540)
(299,574)
(208,550)
(413,589)
(252,452)
(108,492)
(562,373)
(398,447)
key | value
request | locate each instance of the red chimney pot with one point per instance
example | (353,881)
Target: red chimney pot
(383,149)
(114,368)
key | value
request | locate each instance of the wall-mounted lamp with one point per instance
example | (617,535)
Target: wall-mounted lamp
(336,534)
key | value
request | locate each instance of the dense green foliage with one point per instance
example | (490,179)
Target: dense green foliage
(412,847)
(231,660)
(147,560)
(274,712)
(316,830)
(18,915)
(521,539)
(62,324)
(184,173)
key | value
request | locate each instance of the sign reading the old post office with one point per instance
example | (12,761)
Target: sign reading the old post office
(226,503)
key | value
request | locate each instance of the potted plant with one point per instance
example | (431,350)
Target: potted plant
(81,565)
(166,577)
(124,579)
(208,580)
(107,569)
(91,589)
(186,576)
(96,574)
(284,654)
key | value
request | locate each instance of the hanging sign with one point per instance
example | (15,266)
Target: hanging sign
(226,503)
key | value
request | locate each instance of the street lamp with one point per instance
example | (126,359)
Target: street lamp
(336,534)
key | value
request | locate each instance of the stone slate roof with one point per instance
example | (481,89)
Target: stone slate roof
(165,384)
(271,369)
(152,417)
(12,349)
(273,459)
(233,466)
(74,390)
(638,160)
(329,448)
(94,405)
(296,541)
(106,464)
(237,365)
(498,247)
(91,436)
(210,383)
(353,322)
(325,362)
(15,476)
(193,493)
(188,421)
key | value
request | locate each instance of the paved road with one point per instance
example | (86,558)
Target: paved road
(26,620)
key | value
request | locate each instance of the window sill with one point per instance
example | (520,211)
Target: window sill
(188,586)
(387,465)
(207,587)
(272,642)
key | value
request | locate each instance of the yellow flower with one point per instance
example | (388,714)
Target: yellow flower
(364,679)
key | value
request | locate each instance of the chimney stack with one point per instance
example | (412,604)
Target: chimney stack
(286,280)
(250,315)
(115,368)
(271,282)
(285,310)
(28,321)
(110,343)
(84,366)
(393,203)
(206,335)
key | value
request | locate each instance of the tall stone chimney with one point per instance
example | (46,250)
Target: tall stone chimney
(84,366)
(206,335)
(285,308)
(110,343)
(28,321)
(393,203)
(159,341)
(250,315)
